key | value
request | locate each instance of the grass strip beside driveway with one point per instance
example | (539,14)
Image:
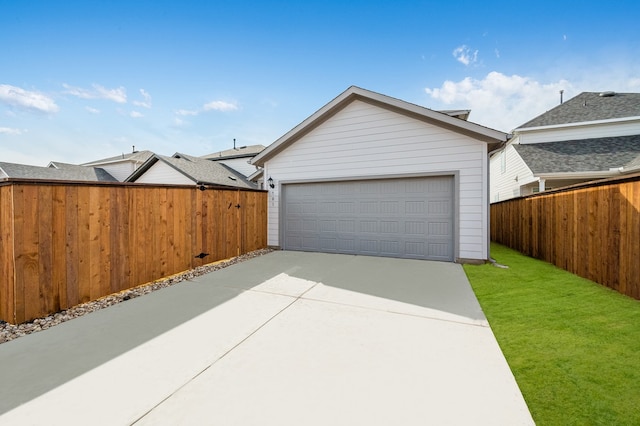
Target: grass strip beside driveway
(572,345)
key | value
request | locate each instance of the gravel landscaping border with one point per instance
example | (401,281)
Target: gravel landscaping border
(10,332)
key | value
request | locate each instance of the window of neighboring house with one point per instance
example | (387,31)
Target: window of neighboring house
(503,162)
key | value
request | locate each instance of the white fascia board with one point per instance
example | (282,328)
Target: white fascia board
(578,175)
(255,175)
(578,124)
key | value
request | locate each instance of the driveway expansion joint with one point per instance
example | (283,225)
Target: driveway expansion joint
(296,298)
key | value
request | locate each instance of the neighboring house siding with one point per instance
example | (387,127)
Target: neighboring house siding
(120,170)
(164,174)
(580,131)
(364,140)
(504,185)
(240,165)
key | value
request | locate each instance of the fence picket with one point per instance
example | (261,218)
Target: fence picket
(67,243)
(592,230)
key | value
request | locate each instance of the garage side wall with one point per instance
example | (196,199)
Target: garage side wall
(363,140)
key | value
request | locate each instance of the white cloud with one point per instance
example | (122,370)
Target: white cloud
(135,114)
(185,112)
(464,55)
(220,106)
(500,101)
(92,110)
(146,103)
(118,95)
(10,131)
(29,100)
(76,91)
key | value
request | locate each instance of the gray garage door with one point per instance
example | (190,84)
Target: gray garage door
(408,217)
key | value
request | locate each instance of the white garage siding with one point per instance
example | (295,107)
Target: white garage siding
(364,140)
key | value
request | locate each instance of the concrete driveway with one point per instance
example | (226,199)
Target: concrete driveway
(289,338)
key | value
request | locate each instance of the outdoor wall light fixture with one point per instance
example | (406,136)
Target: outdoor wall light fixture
(270,180)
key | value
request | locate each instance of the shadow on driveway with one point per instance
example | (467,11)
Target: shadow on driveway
(37,363)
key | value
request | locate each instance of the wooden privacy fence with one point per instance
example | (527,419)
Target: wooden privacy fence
(62,244)
(592,230)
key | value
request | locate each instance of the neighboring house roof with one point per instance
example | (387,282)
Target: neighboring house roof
(256,175)
(589,106)
(585,155)
(136,156)
(55,171)
(462,114)
(491,136)
(243,151)
(200,170)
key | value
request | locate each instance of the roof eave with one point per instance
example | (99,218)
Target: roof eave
(579,175)
(576,124)
(255,175)
(485,134)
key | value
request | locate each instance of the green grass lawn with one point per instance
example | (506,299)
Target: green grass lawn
(572,345)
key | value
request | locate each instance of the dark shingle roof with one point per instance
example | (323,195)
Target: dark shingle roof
(197,169)
(589,106)
(137,156)
(243,151)
(585,155)
(59,171)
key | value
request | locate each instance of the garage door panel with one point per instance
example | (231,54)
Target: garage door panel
(368,226)
(346,245)
(415,207)
(414,228)
(346,226)
(438,251)
(410,217)
(328,244)
(439,229)
(368,246)
(293,225)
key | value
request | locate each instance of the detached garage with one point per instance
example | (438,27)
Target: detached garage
(373,175)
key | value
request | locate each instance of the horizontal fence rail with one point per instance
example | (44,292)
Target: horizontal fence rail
(66,244)
(592,231)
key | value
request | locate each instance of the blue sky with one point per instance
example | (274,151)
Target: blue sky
(82,80)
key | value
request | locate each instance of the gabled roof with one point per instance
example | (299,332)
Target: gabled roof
(442,119)
(241,152)
(55,171)
(199,170)
(589,106)
(137,157)
(585,155)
